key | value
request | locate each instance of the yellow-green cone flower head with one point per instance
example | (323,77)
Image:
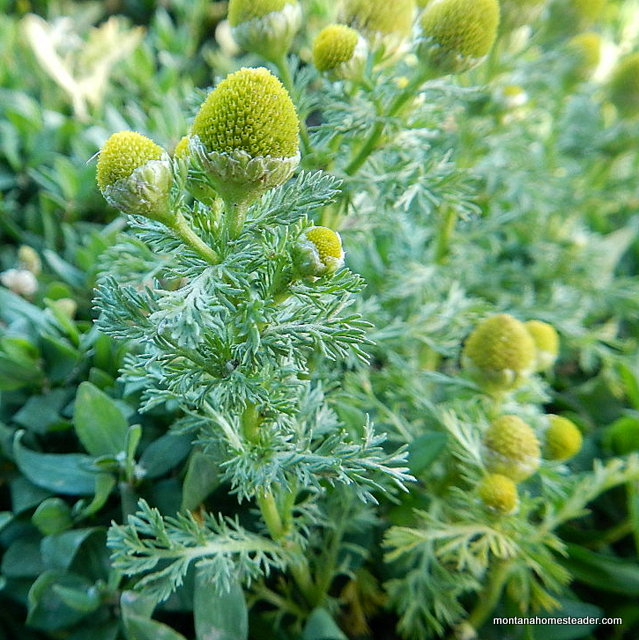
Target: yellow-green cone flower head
(318,252)
(624,86)
(499,354)
(134,175)
(586,50)
(340,51)
(498,493)
(382,22)
(457,35)
(511,448)
(517,13)
(546,343)
(182,148)
(265,27)
(246,135)
(562,438)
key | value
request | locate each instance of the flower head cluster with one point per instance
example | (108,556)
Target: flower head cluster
(499,353)
(458,34)
(265,27)
(340,51)
(511,448)
(498,492)
(134,175)
(245,135)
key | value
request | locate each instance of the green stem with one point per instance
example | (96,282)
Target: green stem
(128,499)
(444,234)
(284,70)
(235,217)
(489,597)
(250,422)
(373,139)
(190,238)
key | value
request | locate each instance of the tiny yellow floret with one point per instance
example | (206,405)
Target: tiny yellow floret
(511,448)
(499,353)
(546,342)
(245,10)
(498,492)
(624,86)
(122,154)
(458,34)
(562,439)
(249,111)
(333,46)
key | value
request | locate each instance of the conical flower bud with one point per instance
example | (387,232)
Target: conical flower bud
(546,343)
(134,175)
(457,34)
(245,136)
(383,23)
(265,27)
(511,448)
(181,150)
(340,51)
(318,252)
(498,493)
(562,438)
(624,86)
(499,354)
(586,50)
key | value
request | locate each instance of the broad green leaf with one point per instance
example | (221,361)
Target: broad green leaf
(40,412)
(136,618)
(25,495)
(64,473)
(22,559)
(83,600)
(52,516)
(321,626)
(165,453)
(423,451)
(569,609)
(202,477)
(99,422)
(5,519)
(104,483)
(59,550)
(219,617)
(603,572)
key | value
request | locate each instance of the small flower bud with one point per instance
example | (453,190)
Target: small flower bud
(67,306)
(546,343)
(318,252)
(134,175)
(340,51)
(20,281)
(457,35)
(511,448)
(562,438)
(586,51)
(384,24)
(499,354)
(624,86)
(181,150)
(265,27)
(245,135)
(498,493)
(29,259)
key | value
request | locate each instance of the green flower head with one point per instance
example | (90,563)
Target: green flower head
(499,353)
(379,20)
(498,493)
(562,438)
(245,135)
(318,252)
(458,34)
(586,50)
(134,175)
(339,50)
(265,27)
(624,86)
(546,343)
(511,448)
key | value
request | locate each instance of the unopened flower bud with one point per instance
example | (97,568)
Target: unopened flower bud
(498,493)
(624,86)
(546,343)
(245,136)
(318,252)
(181,150)
(134,175)
(29,259)
(562,438)
(499,354)
(20,281)
(340,51)
(457,35)
(265,27)
(384,24)
(511,448)
(586,51)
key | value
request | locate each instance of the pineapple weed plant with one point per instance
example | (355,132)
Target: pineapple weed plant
(374,323)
